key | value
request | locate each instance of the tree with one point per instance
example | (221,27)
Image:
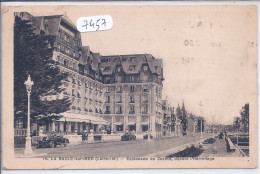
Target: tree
(245,117)
(33,55)
(236,123)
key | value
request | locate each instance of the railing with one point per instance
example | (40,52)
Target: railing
(20,132)
(242,153)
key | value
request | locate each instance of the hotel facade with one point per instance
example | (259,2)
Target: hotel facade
(115,93)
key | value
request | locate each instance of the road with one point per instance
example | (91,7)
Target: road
(136,148)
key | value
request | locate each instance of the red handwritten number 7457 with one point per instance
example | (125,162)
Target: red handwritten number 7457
(93,24)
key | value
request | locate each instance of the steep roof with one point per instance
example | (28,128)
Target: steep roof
(131,63)
(85,55)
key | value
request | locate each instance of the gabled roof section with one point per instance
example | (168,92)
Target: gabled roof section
(69,21)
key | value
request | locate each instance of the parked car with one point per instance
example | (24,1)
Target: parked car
(52,141)
(128,137)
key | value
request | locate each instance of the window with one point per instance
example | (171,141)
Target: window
(67,50)
(108,99)
(67,38)
(132,67)
(107,68)
(73,80)
(120,99)
(58,46)
(132,110)
(118,78)
(73,92)
(132,88)
(119,89)
(74,65)
(118,69)
(145,88)
(119,110)
(145,128)
(124,59)
(65,63)
(132,99)
(132,59)
(78,94)
(74,54)
(119,128)
(108,60)
(58,58)
(145,109)
(145,78)
(107,89)
(107,109)
(131,78)
(59,33)
(46,27)
(156,67)
(145,68)
(79,83)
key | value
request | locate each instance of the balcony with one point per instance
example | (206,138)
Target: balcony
(107,112)
(131,112)
(132,102)
(119,112)
(119,102)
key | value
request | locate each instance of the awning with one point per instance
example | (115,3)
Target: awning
(145,123)
(118,123)
(76,117)
(131,123)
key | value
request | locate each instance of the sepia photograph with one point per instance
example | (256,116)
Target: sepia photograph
(133,86)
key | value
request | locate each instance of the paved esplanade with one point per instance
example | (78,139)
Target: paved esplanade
(136,148)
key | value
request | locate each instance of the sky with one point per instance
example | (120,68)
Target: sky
(205,52)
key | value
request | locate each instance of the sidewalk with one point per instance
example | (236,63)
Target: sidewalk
(217,149)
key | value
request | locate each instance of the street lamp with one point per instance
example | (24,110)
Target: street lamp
(28,146)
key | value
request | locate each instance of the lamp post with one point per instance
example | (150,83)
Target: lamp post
(28,146)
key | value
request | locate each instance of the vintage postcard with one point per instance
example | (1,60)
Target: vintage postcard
(129,86)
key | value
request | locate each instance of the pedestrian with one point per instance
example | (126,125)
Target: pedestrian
(84,136)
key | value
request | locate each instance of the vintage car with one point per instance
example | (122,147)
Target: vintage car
(128,137)
(52,141)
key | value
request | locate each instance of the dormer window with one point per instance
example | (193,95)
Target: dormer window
(132,67)
(145,68)
(107,68)
(46,27)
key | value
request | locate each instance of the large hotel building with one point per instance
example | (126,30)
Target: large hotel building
(116,93)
